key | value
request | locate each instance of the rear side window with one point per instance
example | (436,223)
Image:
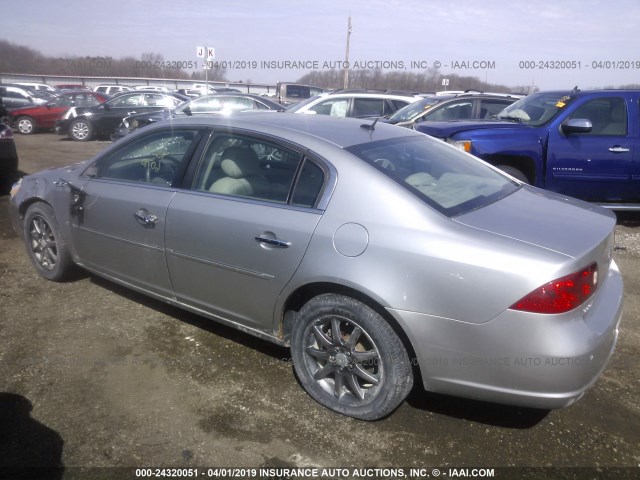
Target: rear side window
(243,166)
(368,107)
(239,165)
(608,116)
(453,111)
(308,186)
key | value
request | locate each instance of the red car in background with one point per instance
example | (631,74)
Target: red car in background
(29,119)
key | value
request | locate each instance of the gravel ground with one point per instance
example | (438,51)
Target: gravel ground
(93,375)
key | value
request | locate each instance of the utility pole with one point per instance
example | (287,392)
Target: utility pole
(346,63)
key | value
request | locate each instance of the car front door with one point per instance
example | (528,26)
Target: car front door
(595,165)
(112,112)
(118,229)
(236,237)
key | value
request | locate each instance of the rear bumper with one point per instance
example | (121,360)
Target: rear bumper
(532,360)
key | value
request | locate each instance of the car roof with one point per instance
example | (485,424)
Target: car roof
(304,129)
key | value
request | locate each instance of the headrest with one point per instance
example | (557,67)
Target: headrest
(238,162)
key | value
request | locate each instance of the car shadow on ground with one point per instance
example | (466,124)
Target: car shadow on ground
(472,410)
(505,416)
(26,445)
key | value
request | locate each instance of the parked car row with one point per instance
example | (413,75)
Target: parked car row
(28,120)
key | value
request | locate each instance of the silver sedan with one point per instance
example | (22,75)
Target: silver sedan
(378,254)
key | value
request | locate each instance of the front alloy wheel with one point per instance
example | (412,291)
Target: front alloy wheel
(349,359)
(81,130)
(45,246)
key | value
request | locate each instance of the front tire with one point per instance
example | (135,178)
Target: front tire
(349,359)
(46,247)
(26,125)
(81,130)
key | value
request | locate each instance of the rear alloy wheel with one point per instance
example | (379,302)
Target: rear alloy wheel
(80,130)
(349,359)
(26,125)
(45,246)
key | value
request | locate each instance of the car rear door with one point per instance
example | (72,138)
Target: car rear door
(230,253)
(118,229)
(596,165)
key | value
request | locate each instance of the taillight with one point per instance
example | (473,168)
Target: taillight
(561,295)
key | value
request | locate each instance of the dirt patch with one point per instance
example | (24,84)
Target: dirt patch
(118,379)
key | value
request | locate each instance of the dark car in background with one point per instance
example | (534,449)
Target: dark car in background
(8,159)
(28,120)
(444,108)
(86,123)
(215,104)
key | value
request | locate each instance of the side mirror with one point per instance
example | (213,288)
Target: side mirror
(576,125)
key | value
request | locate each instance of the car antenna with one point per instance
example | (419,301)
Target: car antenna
(370,127)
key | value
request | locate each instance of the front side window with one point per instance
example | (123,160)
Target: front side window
(154,159)
(608,116)
(443,177)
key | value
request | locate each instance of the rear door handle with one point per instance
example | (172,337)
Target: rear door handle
(273,242)
(618,149)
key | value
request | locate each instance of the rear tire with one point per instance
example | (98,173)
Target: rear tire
(26,125)
(46,247)
(349,359)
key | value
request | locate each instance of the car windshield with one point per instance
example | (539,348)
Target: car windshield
(413,110)
(446,179)
(537,109)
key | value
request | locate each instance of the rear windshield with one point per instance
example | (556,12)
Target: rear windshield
(448,180)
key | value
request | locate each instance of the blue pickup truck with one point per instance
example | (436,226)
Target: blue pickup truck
(584,144)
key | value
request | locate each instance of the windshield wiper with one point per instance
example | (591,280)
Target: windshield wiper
(513,118)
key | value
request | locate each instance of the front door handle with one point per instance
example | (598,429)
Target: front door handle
(145,217)
(273,242)
(618,149)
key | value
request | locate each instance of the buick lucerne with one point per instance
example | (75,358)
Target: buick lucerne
(377,254)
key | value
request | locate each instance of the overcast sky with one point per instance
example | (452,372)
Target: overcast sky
(590,43)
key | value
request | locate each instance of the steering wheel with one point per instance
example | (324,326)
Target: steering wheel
(385,163)
(164,168)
